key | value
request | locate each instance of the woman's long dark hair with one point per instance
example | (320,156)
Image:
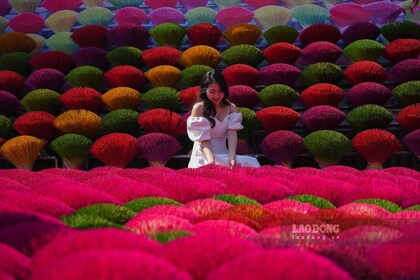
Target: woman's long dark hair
(214,76)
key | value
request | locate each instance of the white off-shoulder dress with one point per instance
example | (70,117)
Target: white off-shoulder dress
(199,129)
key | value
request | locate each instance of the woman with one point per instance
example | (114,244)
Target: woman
(213,121)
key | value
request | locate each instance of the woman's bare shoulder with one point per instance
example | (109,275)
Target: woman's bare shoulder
(232,108)
(198,109)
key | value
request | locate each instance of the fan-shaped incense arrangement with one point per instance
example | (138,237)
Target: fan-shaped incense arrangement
(122,120)
(9,104)
(165,15)
(17,62)
(282,53)
(24,6)
(321,72)
(364,71)
(322,117)
(115,149)
(125,76)
(95,15)
(243,96)
(369,116)
(131,35)
(409,117)
(16,42)
(40,43)
(121,98)
(131,15)
(327,147)
(125,3)
(279,73)
(402,49)
(271,15)
(201,15)
(204,34)
(157,148)
(27,23)
(243,54)
(163,121)
(231,16)
(309,14)
(85,76)
(322,94)
(250,123)
(61,21)
(11,81)
(37,124)
(406,70)
(225,3)
(81,122)
(161,56)
(376,146)
(241,74)
(73,149)
(162,97)
(321,52)
(168,34)
(91,56)
(45,78)
(189,96)
(282,147)
(345,14)
(42,100)
(22,151)
(369,93)
(93,3)
(82,98)
(164,76)
(319,32)
(364,49)
(191,4)
(6,127)
(359,31)
(259,3)
(412,141)
(278,95)
(125,56)
(91,36)
(55,6)
(280,34)
(384,12)
(192,75)
(407,93)
(203,55)
(278,118)
(53,59)
(399,30)
(61,41)
(159,4)
(242,34)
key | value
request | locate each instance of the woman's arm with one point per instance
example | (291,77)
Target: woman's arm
(197,111)
(232,140)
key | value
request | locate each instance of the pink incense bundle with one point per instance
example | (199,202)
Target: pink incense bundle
(191,4)
(155,4)
(163,121)
(82,98)
(279,73)
(402,49)
(260,3)
(9,104)
(128,34)
(359,31)
(125,76)
(321,52)
(204,34)
(46,78)
(364,71)
(91,36)
(376,146)
(161,56)
(282,53)
(91,56)
(165,15)
(231,16)
(384,12)
(345,14)
(224,226)
(131,15)
(243,96)
(409,117)
(158,148)
(241,74)
(282,147)
(369,93)
(319,32)
(53,59)
(38,124)
(278,118)
(322,94)
(412,141)
(189,96)
(322,117)
(27,23)
(406,70)
(55,6)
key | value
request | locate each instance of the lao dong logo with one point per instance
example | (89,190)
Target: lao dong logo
(315,231)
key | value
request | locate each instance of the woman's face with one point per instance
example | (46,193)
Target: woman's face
(214,93)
